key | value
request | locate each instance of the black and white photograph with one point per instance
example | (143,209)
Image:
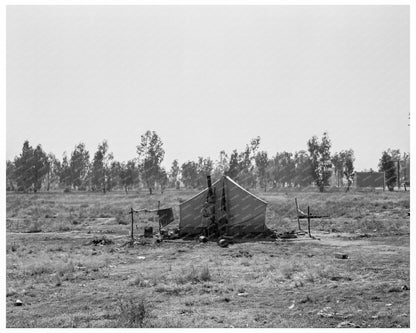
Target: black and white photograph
(207,166)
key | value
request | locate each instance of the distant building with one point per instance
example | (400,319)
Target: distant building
(369,179)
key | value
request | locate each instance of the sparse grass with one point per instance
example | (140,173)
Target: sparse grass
(192,275)
(133,313)
(34,227)
(65,281)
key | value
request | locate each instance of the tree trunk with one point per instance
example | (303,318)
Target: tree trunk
(150,191)
(321,188)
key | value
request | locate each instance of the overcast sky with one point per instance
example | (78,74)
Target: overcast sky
(208,78)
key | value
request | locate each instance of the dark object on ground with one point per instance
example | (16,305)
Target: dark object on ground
(148,232)
(288,234)
(223,242)
(173,234)
(203,239)
(101,241)
(341,256)
(230,239)
(347,324)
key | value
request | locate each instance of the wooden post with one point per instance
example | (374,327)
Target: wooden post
(297,212)
(132,223)
(158,207)
(398,175)
(309,222)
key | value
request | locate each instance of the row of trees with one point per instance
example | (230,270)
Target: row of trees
(396,167)
(34,168)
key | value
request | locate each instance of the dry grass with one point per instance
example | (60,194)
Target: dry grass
(66,281)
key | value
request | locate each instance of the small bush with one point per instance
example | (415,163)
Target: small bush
(65,268)
(133,313)
(39,268)
(245,262)
(309,277)
(205,275)
(57,281)
(193,276)
(35,227)
(12,248)
(63,227)
(288,270)
(120,219)
(139,281)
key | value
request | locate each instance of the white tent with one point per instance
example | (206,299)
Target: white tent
(246,213)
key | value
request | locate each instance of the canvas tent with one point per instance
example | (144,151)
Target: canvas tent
(246,213)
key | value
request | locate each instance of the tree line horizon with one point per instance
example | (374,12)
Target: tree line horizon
(35,169)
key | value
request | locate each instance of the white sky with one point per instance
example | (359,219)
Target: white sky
(208,78)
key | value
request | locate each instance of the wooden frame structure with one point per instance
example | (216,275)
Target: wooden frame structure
(302,215)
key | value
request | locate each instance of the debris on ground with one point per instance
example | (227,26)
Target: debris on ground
(341,256)
(148,232)
(242,294)
(326,312)
(223,242)
(18,302)
(288,234)
(398,289)
(101,241)
(346,324)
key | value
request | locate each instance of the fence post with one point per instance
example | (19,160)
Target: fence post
(297,212)
(132,223)
(158,218)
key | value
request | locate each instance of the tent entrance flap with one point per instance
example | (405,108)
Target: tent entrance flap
(244,212)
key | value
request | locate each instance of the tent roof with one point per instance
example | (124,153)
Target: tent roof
(232,181)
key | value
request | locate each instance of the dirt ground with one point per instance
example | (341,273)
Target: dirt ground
(69,265)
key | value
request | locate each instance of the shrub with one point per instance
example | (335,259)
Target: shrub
(133,313)
(205,275)
(193,276)
(63,227)
(139,281)
(35,227)
(121,220)
(288,269)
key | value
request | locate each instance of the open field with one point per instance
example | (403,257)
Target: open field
(64,280)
